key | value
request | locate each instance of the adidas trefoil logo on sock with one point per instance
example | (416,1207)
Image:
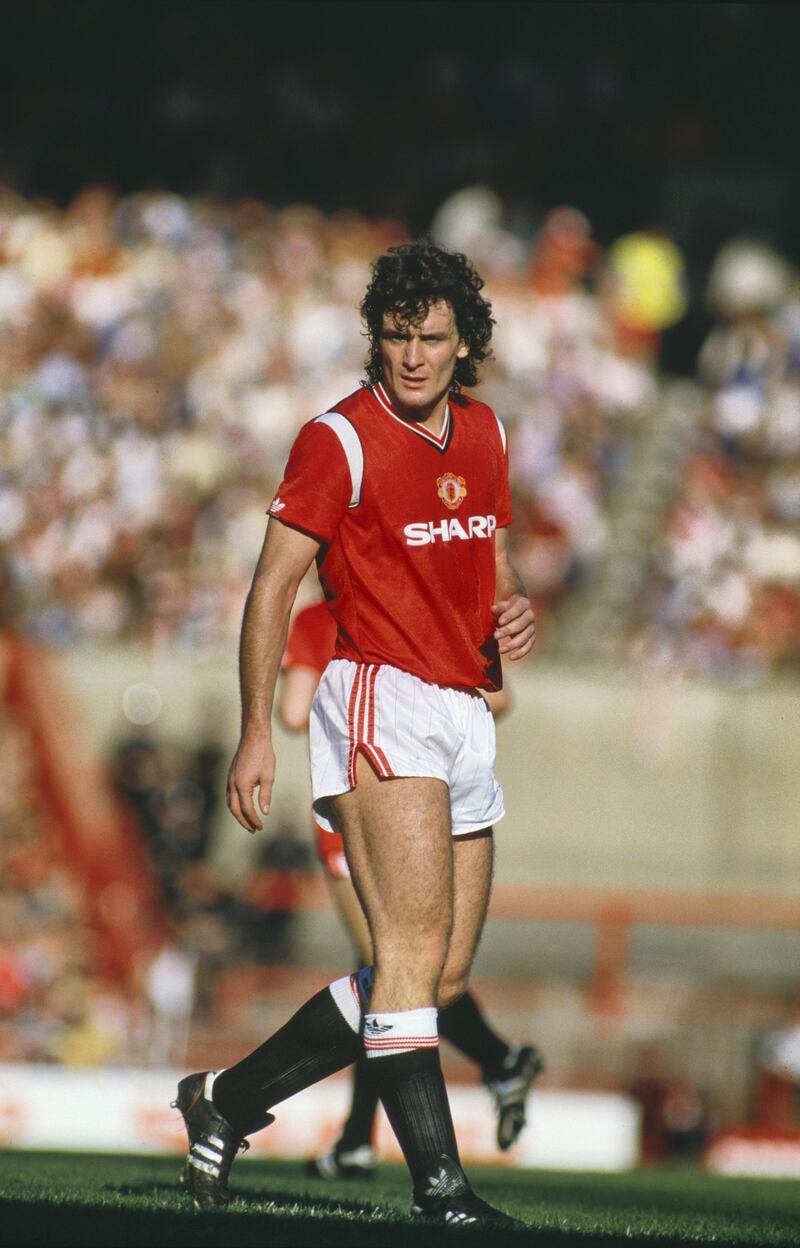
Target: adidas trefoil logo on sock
(436,1180)
(374,1025)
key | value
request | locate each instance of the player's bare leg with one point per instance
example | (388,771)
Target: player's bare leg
(472,881)
(400,851)
(473,860)
(352,915)
(508,1070)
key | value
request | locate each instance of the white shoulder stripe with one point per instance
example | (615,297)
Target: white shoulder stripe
(351,445)
(502,429)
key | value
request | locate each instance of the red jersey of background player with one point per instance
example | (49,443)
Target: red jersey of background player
(311,639)
(407,521)
(310,644)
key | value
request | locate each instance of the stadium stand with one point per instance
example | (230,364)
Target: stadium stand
(721,593)
(158,355)
(151,390)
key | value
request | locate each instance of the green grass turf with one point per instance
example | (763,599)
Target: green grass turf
(81,1200)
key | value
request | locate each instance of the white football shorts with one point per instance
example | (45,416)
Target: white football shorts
(403,726)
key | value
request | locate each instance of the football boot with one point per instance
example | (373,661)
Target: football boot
(510,1091)
(446,1196)
(341,1163)
(213,1143)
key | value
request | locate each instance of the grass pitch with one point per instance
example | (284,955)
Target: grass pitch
(79,1200)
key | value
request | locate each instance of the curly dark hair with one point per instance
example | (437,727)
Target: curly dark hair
(407,281)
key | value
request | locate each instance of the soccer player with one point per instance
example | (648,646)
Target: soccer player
(507,1070)
(400,494)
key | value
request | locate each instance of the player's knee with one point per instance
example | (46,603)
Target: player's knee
(293,720)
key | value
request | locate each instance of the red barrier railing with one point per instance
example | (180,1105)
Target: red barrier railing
(99,841)
(613,913)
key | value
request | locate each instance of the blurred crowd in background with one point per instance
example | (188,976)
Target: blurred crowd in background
(722,596)
(159,354)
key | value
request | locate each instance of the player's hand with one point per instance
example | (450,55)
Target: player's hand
(253,767)
(516,626)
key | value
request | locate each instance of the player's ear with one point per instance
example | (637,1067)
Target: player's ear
(462,350)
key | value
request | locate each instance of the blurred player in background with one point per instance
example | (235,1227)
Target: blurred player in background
(400,495)
(507,1070)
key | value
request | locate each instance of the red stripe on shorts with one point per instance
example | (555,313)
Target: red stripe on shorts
(351,725)
(361,724)
(362,713)
(365,719)
(376,762)
(387,771)
(381,761)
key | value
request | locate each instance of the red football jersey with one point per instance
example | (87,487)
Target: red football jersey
(407,521)
(311,640)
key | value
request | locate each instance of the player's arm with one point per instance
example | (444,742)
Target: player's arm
(298,686)
(285,558)
(516,627)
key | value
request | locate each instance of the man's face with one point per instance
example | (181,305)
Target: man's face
(419,360)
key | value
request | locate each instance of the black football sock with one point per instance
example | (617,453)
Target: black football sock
(413,1093)
(463,1024)
(403,1055)
(358,1129)
(321,1038)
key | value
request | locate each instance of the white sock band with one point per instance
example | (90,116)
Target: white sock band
(385,1034)
(345,993)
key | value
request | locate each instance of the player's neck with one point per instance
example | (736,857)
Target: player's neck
(430,415)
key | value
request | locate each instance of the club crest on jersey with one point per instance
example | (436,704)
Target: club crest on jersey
(452,490)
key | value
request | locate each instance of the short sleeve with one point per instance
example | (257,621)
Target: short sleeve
(316,489)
